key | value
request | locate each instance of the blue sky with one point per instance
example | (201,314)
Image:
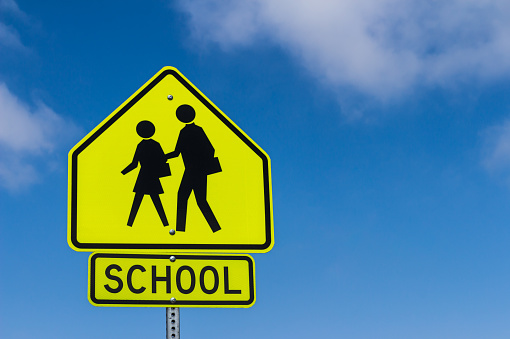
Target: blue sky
(387,123)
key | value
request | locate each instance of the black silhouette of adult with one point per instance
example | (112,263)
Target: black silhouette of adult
(152,161)
(199,161)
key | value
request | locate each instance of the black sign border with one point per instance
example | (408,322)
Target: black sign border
(167,303)
(123,246)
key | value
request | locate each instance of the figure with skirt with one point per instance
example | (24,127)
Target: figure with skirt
(153,166)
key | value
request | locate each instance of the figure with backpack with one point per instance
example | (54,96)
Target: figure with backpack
(199,162)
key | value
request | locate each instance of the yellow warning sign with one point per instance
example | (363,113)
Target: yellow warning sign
(168,170)
(171,280)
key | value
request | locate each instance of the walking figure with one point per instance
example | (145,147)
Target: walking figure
(153,165)
(199,161)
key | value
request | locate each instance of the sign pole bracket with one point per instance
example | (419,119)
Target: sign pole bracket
(173,323)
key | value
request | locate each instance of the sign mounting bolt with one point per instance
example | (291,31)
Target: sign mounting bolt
(172,258)
(172,232)
(170,97)
(173,300)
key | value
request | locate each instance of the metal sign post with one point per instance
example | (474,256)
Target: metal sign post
(173,323)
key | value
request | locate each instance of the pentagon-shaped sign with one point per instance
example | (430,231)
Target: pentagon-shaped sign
(168,170)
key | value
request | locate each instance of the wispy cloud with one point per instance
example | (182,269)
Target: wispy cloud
(496,150)
(381,48)
(27,135)
(10,6)
(9,36)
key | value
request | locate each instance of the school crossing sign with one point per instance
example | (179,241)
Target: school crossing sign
(167,171)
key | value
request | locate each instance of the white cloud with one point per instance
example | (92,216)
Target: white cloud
(382,48)
(27,135)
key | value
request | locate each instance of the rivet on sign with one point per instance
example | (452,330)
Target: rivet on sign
(170,96)
(172,258)
(172,232)
(173,300)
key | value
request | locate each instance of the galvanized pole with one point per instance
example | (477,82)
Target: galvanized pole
(173,323)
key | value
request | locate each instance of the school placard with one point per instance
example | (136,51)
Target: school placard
(181,280)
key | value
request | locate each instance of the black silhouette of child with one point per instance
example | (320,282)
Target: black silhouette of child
(198,157)
(152,161)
